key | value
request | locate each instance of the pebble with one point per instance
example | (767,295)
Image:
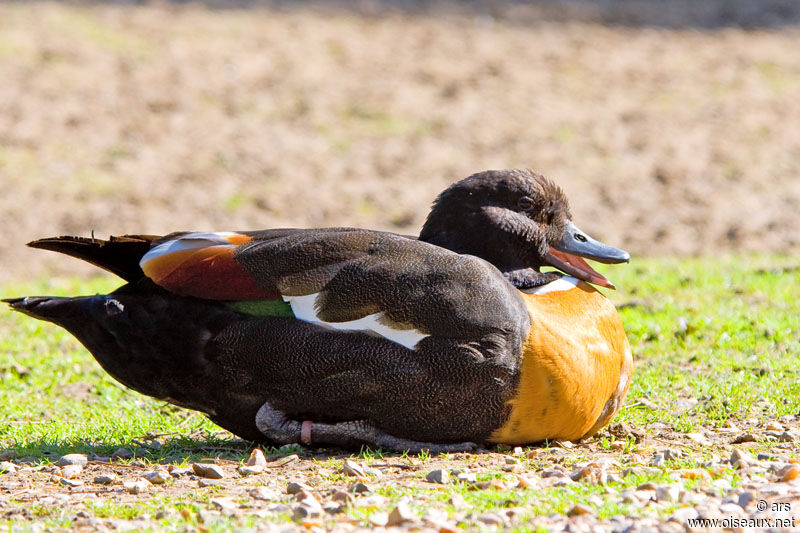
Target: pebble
(699,438)
(158,477)
(105,479)
(658,460)
(765,457)
(378,519)
(668,493)
(78,459)
(341,496)
(208,470)
(580,509)
(788,473)
(438,476)
(648,485)
(246,470)
(284,461)
(180,471)
(206,482)
(467,477)
(743,437)
(7,467)
(225,504)
(351,468)
(401,514)
(135,487)
(490,519)
(511,460)
(296,487)
(333,508)
(257,458)
(684,513)
(8,455)
(264,494)
(741,459)
(122,453)
(592,469)
(359,487)
(70,482)
(70,471)
(746,498)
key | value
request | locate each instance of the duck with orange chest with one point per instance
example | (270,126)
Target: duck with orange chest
(345,336)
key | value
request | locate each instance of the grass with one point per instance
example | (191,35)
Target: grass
(715,342)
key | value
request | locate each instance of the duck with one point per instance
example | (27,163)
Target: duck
(347,337)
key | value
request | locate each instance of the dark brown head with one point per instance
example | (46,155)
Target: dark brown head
(518,221)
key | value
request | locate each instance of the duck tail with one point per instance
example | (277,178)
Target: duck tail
(118,255)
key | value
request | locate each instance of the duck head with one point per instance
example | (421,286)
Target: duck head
(520,222)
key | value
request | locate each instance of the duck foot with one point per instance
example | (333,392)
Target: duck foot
(282,430)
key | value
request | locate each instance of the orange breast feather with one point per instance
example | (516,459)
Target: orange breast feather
(576,368)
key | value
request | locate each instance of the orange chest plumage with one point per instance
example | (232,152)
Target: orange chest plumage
(575,370)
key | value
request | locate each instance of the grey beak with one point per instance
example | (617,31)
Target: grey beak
(576,242)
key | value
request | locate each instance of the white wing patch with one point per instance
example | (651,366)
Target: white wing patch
(188,242)
(564,283)
(304,308)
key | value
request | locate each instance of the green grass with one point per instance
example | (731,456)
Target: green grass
(723,332)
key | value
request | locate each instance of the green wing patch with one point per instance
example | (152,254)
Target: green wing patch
(262,307)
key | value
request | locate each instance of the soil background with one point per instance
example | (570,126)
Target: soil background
(674,128)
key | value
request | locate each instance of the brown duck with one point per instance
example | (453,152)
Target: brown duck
(345,337)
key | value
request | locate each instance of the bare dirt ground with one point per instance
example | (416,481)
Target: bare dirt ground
(164,117)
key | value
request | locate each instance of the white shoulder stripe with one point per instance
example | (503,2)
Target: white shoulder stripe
(564,283)
(187,242)
(304,308)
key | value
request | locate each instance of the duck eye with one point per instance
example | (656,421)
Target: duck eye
(580,238)
(525,202)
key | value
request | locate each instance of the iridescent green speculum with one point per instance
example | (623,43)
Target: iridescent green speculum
(262,308)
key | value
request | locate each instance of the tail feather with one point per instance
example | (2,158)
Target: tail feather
(118,255)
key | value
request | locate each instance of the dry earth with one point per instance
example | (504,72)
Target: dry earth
(165,117)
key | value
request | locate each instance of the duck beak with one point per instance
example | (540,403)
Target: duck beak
(567,255)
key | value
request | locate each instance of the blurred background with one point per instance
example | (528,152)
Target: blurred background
(674,127)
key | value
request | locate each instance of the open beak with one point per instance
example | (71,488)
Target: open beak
(567,256)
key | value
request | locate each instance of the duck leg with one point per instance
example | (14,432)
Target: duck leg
(277,427)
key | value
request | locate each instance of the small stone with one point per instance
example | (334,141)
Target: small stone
(122,453)
(648,485)
(438,476)
(7,467)
(158,477)
(741,459)
(668,493)
(8,455)
(658,460)
(378,519)
(743,437)
(587,471)
(105,479)
(746,498)
(789,472)
(135,487)
(139,463)
(467,477)
(490,519)
(208,470)
(400,515)
(525,482)
(180,471)
(246,470)
(257,458)
(224,504)
(333,508)
(341,496)
(206,482)
(70,471)
(517,450)
(283,461)
(694,473)
(671,454)
(458,501)
(296,487)
(580,509)
(70,482)
(264,494)
(351,468)
(511,460)
(78,459)
(699,438)
(359,487)
(765,457)
(683,514)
